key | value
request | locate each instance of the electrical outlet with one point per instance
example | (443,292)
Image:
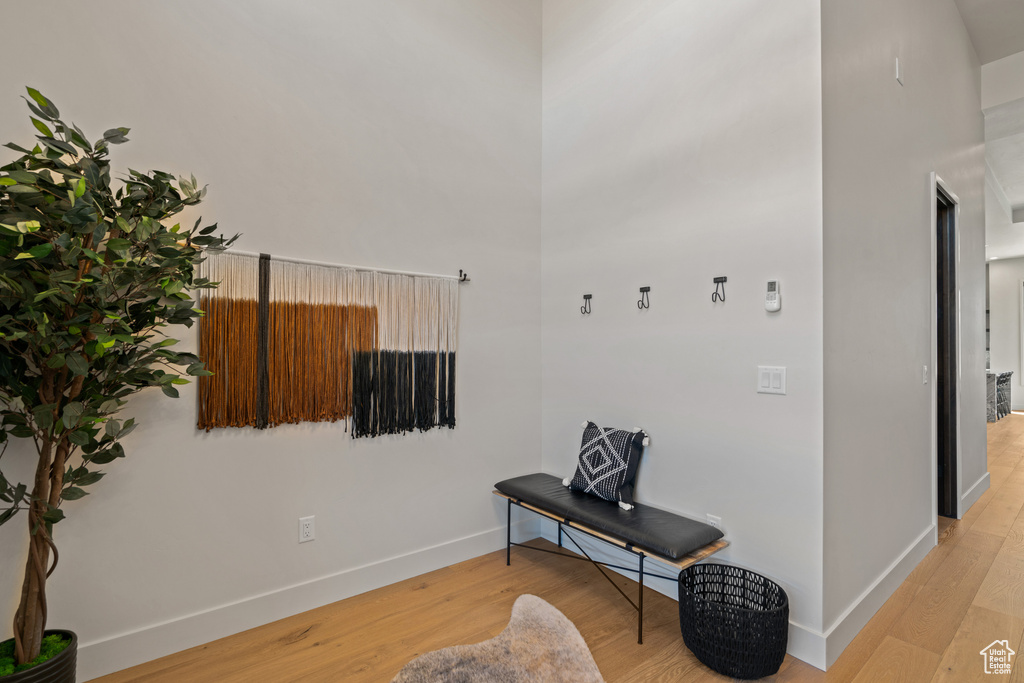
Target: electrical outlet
(307,529)
(714,521)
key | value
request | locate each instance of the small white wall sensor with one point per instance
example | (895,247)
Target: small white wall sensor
(772,296)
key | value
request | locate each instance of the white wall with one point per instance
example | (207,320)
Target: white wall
(1002,81)
(395,134)
(1004,278)
(682,142)
(881,142)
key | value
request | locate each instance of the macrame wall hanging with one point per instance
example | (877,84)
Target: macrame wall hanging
(295,342)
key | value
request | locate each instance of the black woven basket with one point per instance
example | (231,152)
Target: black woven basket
(735,621)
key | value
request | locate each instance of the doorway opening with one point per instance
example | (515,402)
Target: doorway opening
(947,353)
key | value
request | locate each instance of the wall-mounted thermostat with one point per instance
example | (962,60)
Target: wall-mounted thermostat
(772,297)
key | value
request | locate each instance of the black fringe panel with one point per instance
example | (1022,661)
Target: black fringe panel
(387,403)
(362,393)
(449,415)
(442,389)
(396,392)
(375,393)
(405,416)
(263,346)
(426,390)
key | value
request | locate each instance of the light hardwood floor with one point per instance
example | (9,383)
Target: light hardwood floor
(968,592)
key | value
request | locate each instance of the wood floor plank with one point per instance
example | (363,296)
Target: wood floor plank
(1003,588)
(1013,544)
(857,653)
(961,661)
(934,615)
(948,540)
(1002,511)
(898,662)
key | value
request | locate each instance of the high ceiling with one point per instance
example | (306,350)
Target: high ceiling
(1004,148)
(996,27)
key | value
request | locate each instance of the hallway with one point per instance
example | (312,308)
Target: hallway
(967,593)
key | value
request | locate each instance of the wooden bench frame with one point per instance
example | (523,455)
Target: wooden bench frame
(640,553)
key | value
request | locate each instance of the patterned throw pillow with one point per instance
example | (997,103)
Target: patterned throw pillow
(608,462)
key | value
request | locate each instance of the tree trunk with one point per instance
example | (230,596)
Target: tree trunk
(30,618)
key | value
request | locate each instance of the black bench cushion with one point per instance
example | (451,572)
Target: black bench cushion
(663,533)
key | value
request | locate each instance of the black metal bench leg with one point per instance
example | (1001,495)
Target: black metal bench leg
(508,537)
(559,534)
(640,619)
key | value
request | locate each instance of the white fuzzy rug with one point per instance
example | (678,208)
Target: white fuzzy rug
(539,645)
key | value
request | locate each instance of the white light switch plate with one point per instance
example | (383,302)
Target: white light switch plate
(771,379)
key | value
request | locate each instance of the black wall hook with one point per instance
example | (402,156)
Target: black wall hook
(585,308)
(645,298)
(719,282)
(463,277)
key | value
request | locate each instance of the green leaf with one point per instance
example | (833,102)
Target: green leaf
(72,414)
(44,295)
(170,391)
(44,104)
(22,227)
(89,478)
(80,437)
(18,148)
(198,370)
(41,127)
(102,458)
(38,251)
(116,136)
(119,245)
(21,432)
(80,187)
(77,364)
(73,493)
(7,181)
(43,416)
(110,406)
(22,189)
(59,146)
(24,177)
(53,516)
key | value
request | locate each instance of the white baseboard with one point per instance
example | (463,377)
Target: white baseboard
(806,644)
(123,650)
(974,493)
(849,624)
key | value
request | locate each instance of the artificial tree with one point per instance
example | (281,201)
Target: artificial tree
(90,274)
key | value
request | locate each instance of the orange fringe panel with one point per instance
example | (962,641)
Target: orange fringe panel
(309,361)
(227,336)
(310,356)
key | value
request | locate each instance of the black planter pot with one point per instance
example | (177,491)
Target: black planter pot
(60,669)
